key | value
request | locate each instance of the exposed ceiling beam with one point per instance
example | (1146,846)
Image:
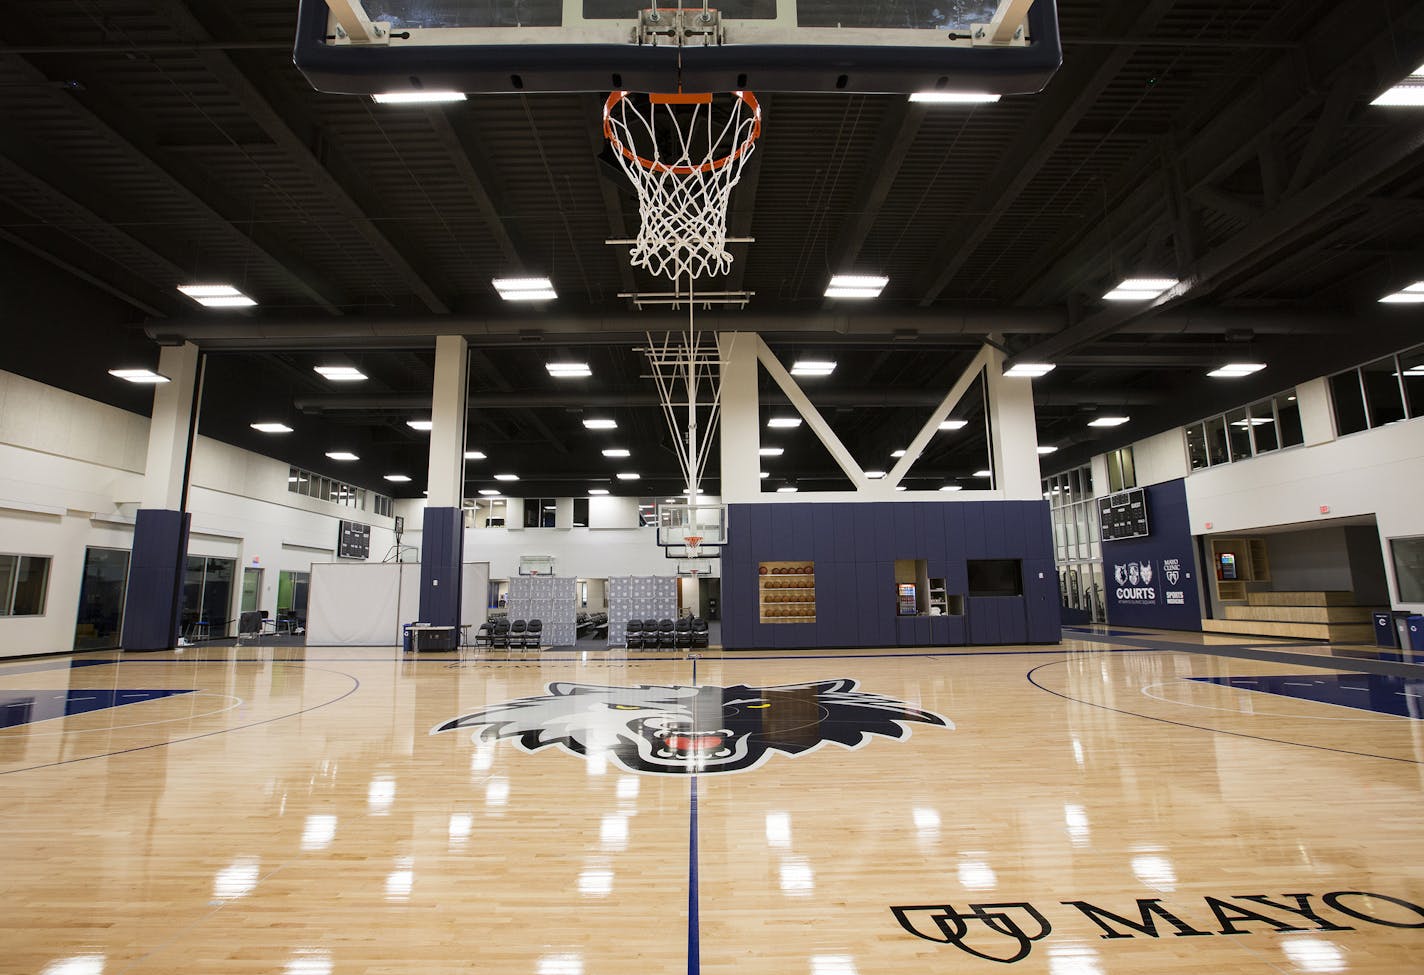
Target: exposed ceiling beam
(283,132)
(742,210)
(898,129)
(607,190)
(451,125)
(141,150)
(479,360)
(1072,93)
(74,269)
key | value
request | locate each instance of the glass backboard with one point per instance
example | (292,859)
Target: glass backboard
(981,46)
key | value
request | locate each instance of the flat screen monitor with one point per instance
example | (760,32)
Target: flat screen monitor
(995,577)
(1226,565)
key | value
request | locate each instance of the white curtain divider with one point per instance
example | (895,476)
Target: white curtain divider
(361,604)
(474,595)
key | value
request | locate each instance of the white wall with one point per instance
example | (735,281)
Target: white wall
(71,476)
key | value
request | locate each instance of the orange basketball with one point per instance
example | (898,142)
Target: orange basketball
(762,570)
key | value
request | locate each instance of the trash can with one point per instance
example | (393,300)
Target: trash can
(1416,632)
(1385,634)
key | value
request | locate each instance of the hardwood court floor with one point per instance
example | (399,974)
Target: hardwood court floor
(291,812)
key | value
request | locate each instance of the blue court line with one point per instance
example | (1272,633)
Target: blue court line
(1197,727)
(694,927)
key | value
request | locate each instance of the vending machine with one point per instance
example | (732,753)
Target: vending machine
(906,603)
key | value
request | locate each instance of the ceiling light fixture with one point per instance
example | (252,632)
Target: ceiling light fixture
(856,286)
(983,473)
(954,97)
(628,475)
(1411,295)
(786,489)
(1030,370)
(897,453)
(813,367)
(1409,93)
(397,478)
(506,477)
(568,370)
(1235,370)
(784,422)
(771,451)
(616,452)
(340,374)
(474,455)
(271,428)
(951,487)
(953,424)
(417,97)
(687,492)
(875,475)
(143,376)
(597,491)
(217,295)
(422,425)
(1109,421)
(1141,289)
(524,289)
(1046,449)
(342,455)
(764,475)
(489,492)
(600,424)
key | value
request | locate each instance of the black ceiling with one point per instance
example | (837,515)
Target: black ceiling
(1229,143)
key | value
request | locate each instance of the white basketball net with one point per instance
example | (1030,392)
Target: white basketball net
(683,163)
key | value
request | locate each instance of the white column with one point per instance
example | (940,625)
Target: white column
(445,483)
(741,418)
(1015,434)
(1316,424)
(171,429)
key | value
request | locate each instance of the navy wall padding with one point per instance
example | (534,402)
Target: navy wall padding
(855,546)
(155,591)
(1168,598)
(442,551)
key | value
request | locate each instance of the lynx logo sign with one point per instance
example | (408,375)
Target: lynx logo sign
(1006,932)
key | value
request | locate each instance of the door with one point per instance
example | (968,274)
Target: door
(100,617)
(251,589)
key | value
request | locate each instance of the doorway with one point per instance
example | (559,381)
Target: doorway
(251,589)
(100,618)
(207,597)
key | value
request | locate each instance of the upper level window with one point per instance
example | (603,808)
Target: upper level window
(1378,393)
(539,512)
(1122,469)
(1264,426)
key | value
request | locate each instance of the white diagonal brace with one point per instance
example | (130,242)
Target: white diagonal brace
(812,416)
(950,401)
(1007,20)
(351,15)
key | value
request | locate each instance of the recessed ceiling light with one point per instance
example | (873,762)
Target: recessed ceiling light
(145,376)
(1109,421)
(474,455)
(1046,449)
(506,477)
(524,289)
(340,374)
(1030,370)
(953,424)
(417,97)
(771,451)
(983,473)
(1235,370)
(424,425)
(901,487)
(765,475)
(813,367)
(597,491)
(1411,295)
(670,500)
(342,455)
(951,487)
(397,478)
(628,475)
(954,97)
(897,453)
(1409,93)
(784,422)
(489,492)
(616,452)
(216,295)
(600,424)
(271,428)
(568,370)
(699,491)
(1141,289)
(856,286)
(786,489)
(875,475)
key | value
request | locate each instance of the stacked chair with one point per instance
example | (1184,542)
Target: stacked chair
(682,632)
(666,629)
(699,632)
(534,634)
(634,638)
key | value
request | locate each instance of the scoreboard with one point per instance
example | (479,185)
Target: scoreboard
(1123,515)
(355,541)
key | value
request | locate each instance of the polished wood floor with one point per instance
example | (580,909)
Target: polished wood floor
(1106,810)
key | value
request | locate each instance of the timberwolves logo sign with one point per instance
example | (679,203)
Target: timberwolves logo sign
(679,730)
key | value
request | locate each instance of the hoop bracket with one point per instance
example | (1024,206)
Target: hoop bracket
(673,27)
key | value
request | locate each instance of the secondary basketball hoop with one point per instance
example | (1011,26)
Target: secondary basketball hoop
(683,154)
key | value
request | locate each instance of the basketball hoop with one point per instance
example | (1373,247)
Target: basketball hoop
(683,154)
(690,542)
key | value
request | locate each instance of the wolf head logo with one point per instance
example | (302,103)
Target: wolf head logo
(679,730)
(1145,569)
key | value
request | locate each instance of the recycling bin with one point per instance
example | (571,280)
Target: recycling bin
(1416,632)
(1385,633)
